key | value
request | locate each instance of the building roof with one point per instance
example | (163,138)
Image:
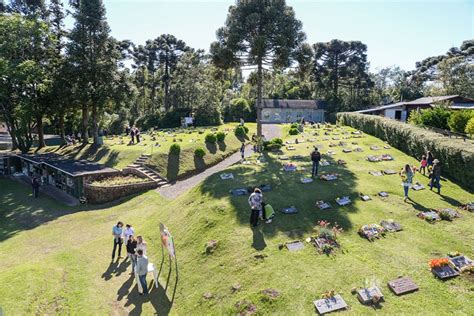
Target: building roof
(72,167)
(458,103)
(293,104)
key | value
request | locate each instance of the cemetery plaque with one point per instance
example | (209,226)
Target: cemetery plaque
(239,192)
(265,187)
(376,173)
(365,197)
(289,210)
(444,272)
(367,295)
(389,172)
(461,261)
(391,226)
(323,205)
(418,187)
(331,304)
(295,245)
(226,176)
(402,286)
(383,194)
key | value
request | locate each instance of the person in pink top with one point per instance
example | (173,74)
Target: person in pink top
(423,164)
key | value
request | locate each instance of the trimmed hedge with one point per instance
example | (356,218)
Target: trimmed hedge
(293,131)
(220,136)
(455,155)
(175,149)
(241,131)
(199,152)
(274,144)
(210,138)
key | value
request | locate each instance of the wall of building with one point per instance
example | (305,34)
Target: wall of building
(96,194)
(278,115)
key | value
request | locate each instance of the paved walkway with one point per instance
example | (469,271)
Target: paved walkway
(175,190)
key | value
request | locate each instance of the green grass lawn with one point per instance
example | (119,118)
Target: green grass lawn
(57,259)
(117,153)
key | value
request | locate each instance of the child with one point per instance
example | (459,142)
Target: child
(423,164)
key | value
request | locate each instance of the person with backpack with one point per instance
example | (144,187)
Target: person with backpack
(255,202)
(315,158)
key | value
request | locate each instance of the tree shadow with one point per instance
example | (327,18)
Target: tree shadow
(199,163)
(211,147)
(287,190)
(222,146)
(172,169)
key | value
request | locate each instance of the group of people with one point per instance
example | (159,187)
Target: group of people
(427,163)
(259,209)
(136,251)
(134,133)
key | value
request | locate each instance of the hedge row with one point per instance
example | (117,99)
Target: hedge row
(455,155)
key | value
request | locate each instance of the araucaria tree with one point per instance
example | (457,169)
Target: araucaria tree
(93,57)
(261,33)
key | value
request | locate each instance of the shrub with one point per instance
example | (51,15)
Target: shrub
(175,149)
(458,120)
(238,107)
(210,138)
(470,127)
(241,131)
(456,158)
(274,144)
(294,125)
(199,152)
(293,131)
(220,136)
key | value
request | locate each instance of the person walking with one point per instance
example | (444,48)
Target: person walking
(255,202)
(35,184)
(242,151)
(315,158)
(131,251)
(117,232)
(142,270)
(423,164)
(129,231)
(436,176)
(132,135)
(407,180)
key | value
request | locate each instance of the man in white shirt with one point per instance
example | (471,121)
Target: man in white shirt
(129,231)
(142,270)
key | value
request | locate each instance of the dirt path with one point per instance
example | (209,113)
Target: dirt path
(175,190)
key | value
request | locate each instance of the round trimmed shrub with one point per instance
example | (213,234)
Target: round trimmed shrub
(241,131)
(175,149)
(199,152)
(210,138)
(293,131)
(294,125)
(220,136)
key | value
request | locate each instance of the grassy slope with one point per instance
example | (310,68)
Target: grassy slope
(117,155)
(67,268)
(173,167)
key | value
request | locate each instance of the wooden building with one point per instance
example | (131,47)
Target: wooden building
(289,111)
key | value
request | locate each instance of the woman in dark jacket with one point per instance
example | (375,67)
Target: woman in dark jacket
(436,176)
(131,246)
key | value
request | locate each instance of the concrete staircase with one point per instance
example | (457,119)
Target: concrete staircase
(138,167)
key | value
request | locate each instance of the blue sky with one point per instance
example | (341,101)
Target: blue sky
(396,32)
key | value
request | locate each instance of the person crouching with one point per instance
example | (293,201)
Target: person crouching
(255,202)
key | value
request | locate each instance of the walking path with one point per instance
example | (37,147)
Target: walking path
(175,190)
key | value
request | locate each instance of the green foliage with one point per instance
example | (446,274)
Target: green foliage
(470,127)
(274,144)
(293,131)
(241,131)
(437,117)
(238,108)
(210,138)
(458,120)
(220,136)
(456,158)
(175,149)
(199,152)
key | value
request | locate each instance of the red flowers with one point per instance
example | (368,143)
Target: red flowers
(439,262)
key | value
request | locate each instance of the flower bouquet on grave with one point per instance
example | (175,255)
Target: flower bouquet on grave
(430,216)
(386,157)
(372,231)
(329,176)
(447,214)
(289,167)
(323,205)
(325,236)
(468,207)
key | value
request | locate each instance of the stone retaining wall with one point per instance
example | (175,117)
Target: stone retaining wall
(96,194)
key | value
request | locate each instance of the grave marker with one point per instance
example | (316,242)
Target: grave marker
(444,272)
(368,295)
(402,286)
(461,262)
(331,304)
(289,210)
(295,245)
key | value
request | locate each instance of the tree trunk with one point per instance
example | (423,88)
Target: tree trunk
(39,127)
(258,108)
(95,125)
(166,84)
(62,133)
(85,123)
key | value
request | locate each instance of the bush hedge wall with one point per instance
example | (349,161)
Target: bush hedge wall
(455,155)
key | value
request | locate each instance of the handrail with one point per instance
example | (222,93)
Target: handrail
(448,132)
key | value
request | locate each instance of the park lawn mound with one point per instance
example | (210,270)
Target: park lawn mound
(252,259)
(247,271)
(174,167)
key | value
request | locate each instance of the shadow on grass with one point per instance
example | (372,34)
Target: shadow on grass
(222,146)
(172,169)
(212,148)
(19,211)
(287,190)
(156,296)
(199,163)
